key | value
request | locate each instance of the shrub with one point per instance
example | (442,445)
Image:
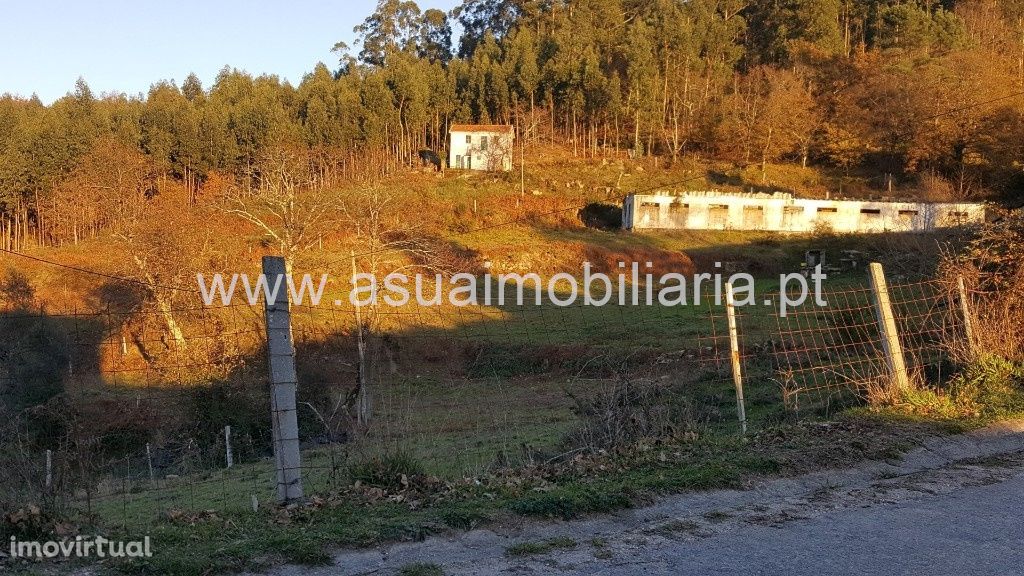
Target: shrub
(34,363)
(627,410)
(387,471)
(29,522)
(989,387)
(210,408)
(992,269)
(601,216)
(16,292)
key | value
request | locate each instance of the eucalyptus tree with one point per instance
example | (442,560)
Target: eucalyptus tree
(395,26)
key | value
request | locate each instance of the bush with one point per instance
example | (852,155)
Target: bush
(989,387)
(389,471)
(35,363)
(16,292)
(628,410)
(29,522)
(992,269)
(601,216)
(247,411)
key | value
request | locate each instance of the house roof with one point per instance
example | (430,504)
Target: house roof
(481,128)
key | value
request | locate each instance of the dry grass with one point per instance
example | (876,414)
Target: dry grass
(991,269)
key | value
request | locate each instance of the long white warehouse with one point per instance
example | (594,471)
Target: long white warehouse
(781,212)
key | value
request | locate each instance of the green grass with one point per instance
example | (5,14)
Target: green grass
(537,548)
(421,569)
(452,426)
(675,527)
(239,539)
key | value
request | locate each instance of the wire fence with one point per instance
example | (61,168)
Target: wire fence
(126,417)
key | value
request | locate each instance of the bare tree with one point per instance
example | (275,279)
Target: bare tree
(154,238)
(773,111)
(287,204)
(498,153)
(114,189)
(387,241)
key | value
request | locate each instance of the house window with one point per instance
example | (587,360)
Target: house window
(870,218)
(679,214)
(469,138)
(870,214)
(906,218)
(483,143)
(791,215)
(718,216)
(827,214)
(753,217)
(650,214)
(458,161)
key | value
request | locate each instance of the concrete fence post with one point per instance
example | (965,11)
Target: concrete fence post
(734,355)
(227,446)
(887,327)
(283,383)
(965,312)
(363,380)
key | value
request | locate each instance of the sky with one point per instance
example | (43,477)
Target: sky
(126,46)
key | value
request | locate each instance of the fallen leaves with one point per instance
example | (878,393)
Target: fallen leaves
(32,520)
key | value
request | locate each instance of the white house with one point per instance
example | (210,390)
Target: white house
(781,212)
(481,147)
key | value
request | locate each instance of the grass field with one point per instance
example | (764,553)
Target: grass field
(508,403)
(473,396)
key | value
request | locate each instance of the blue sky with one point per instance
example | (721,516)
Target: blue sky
(122,46)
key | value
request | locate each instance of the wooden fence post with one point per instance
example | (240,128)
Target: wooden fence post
(734,355)
(283,383)
(887,327)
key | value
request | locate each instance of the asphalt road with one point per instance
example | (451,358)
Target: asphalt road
(975,530)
